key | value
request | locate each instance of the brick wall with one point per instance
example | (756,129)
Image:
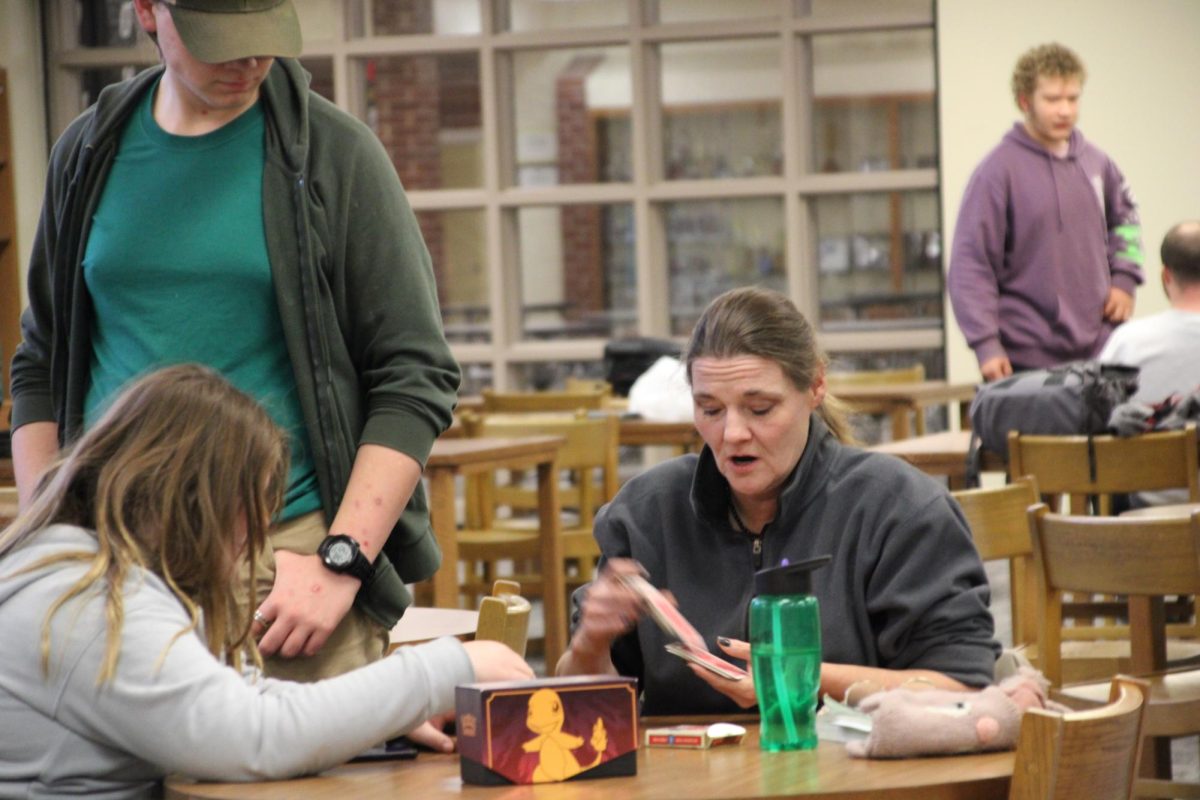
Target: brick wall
(406,97)
(583,267)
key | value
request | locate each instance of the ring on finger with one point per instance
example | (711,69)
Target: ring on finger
(261,619)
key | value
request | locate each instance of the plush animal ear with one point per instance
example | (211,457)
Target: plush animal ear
(986,728)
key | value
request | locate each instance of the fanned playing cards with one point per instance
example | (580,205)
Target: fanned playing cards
(689,644)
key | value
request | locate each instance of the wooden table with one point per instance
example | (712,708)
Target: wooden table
(7,476)
(423,624)
(741,771)
(453,457)
(898,400)
(943,453)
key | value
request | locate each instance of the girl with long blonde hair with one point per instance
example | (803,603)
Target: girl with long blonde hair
(119,619)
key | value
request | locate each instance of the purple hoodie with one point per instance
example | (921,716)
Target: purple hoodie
(1038,243)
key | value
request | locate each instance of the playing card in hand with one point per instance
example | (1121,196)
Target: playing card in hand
(689,644)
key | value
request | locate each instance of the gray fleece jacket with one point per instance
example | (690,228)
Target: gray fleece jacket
(905,589)
(63,735)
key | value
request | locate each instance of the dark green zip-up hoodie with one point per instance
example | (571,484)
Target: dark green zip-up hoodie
(353,282)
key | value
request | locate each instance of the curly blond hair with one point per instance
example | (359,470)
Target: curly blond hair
(1052,60)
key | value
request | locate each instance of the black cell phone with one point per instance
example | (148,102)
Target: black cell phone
(392,750)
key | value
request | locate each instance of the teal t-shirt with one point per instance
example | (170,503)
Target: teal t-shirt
(177,268)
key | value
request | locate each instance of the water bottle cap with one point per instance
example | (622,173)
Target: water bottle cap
(788,578)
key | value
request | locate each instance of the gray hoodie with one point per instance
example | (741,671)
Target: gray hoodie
(1038,243)
(63,735)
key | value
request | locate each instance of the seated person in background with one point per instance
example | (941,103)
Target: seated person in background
(1166,346)
(905,597)
(117,613)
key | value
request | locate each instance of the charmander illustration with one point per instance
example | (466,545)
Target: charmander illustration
(553,745)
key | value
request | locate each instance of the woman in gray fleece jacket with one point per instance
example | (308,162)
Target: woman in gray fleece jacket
(121,633)
(905,596)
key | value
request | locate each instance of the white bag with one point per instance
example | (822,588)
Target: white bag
(661,393)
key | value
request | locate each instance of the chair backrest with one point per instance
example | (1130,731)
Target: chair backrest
(910,374)
(517,402)
(1083,755)
(1132,556)
(1000,528)
(504,616)
(1152,461)
(590,443)
(588,385)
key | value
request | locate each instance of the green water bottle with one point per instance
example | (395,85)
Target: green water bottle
(785,649)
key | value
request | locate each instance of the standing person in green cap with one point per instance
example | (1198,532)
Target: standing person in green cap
(215,210)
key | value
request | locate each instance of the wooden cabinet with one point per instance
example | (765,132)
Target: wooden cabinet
(10,284)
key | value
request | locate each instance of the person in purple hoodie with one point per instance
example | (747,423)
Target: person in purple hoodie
(1047,250)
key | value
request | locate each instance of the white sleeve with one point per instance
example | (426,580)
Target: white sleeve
(1114,351)
(197,716)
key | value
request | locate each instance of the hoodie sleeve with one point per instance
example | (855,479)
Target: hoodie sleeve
(30,386)
(976,258)
(1125,254)
(194,715)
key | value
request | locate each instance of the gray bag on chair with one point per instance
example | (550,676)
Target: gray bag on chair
(1070,399)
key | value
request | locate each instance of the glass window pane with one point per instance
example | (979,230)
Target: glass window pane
(425,109)
(475,378)
(456,245)
(577,271)
(715,245)
(872,429)
(703,10)
(868,8)
(318,20)
(542,376)
(321,70)
(107,23)
(564,103)
(410,17)
(879,260)
(721,109)
(873,103)
(542,15)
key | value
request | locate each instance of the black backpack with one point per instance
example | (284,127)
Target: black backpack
(1070,399)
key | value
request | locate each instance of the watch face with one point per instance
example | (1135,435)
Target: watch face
(340,554)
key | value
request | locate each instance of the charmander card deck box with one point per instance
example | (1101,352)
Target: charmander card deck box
(550,729)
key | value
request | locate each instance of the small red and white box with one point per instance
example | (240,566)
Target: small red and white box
(695,737)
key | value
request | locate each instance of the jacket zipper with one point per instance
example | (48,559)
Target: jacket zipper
(756,550)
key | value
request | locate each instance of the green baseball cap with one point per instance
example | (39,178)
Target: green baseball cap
(225,30)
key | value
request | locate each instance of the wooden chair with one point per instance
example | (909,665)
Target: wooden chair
(524,402)
(1141,559)
(504,616)
(910,374)
(1082,755)
(1000,528)
(8,505)
(590,446)
(1069,469)
(575,385)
